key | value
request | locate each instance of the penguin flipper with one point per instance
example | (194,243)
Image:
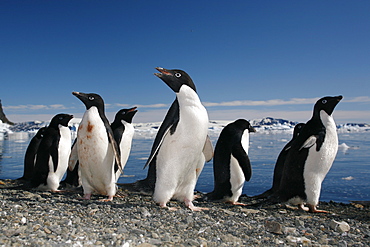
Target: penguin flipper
(309,142)
(73,157)
(157,146)
(169,124)
(117,155)
(208,149)
(243,160)
(54,156)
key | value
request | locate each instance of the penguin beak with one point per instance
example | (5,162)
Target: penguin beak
(79,95)
(251,129)
(162,72)
(132,109)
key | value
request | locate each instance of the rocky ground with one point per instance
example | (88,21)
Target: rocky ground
(61,219)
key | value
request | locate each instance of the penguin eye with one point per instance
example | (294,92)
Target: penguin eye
(91,97)
(60,118)
(178,75)
(324,101)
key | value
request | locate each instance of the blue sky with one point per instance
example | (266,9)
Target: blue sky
(248,59)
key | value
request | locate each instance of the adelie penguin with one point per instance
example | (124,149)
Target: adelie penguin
(181,146)
(279,165)
(97,151)
(310,157)
(52,154)
(30,155)
(123,132)
(231,164)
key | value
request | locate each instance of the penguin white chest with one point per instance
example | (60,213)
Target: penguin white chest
(64,150)
(318,163)
(245,140)
(125,145)
(94,151)
(187,142)
(180,157)
(237,179)
(126,141)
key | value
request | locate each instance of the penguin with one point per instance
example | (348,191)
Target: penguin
(30,155)
(279,165)
(181,145)
(231,164)
(310,158)
(52,154)
(97,151)
(123,132)
(72,178)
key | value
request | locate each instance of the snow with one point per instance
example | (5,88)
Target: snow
(266,125)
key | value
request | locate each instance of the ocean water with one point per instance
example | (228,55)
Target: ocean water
(348,179)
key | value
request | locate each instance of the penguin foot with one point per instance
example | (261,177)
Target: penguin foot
(86,197)
(197,197)
(236,203)
(313,209)
(191,206)
(163,205)
(109,199)
(301,206)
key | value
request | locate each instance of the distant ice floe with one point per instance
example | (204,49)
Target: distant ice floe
(348,178)
(266,125)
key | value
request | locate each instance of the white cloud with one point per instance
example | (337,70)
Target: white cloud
(272,102)
(34,107)
(159,105)
(360,99)
(278,102)
(58,106)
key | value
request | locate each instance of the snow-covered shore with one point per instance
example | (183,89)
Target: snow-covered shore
(148,130)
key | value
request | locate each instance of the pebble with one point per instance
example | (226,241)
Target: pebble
(53,219)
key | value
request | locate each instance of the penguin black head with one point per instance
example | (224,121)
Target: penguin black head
(60,119)
(244,124)
(125,114)
(175,78)
(90,99)
(327,104)
(297,129)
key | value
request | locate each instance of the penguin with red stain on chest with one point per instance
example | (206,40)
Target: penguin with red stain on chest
(97,149)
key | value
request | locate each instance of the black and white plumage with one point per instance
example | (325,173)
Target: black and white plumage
(310,157)
(72,178)
(97,151)
(52,154)
(181,146)
(123,132)
(30,155)
(231,164)
(279,165)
